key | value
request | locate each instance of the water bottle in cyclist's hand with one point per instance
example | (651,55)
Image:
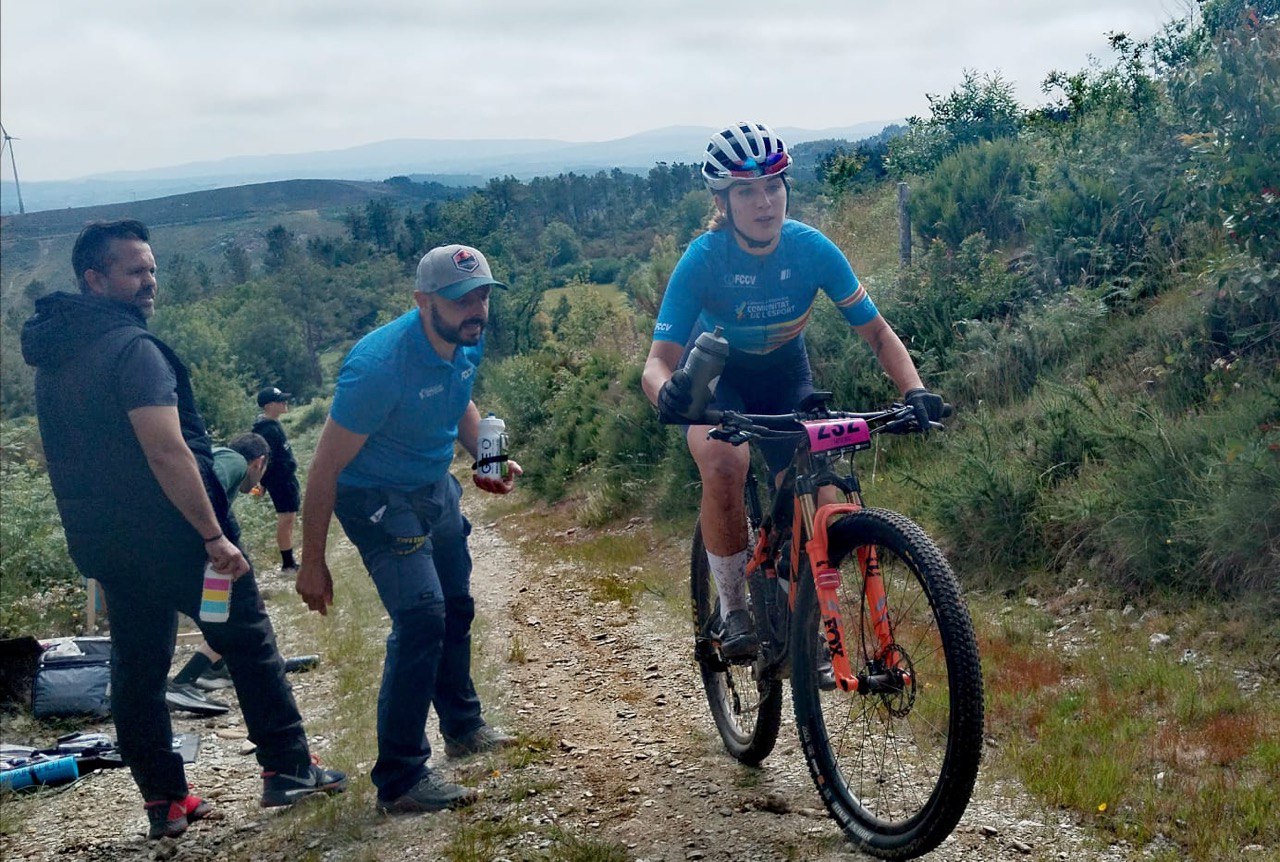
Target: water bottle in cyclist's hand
(706,361)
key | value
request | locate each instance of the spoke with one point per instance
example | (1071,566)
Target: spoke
(888,763)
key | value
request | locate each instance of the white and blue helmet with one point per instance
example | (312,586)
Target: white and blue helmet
(743,152)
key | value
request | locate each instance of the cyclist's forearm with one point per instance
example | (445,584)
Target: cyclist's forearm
(658,368)
(655,374)
(892,354)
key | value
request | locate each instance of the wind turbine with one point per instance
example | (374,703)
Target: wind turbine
(8,142)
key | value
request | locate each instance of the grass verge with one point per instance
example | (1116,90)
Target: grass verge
(1161,729)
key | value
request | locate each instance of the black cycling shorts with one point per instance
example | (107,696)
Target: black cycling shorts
(286,495)
(773,387)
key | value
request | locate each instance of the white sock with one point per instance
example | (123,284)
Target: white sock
(730,574)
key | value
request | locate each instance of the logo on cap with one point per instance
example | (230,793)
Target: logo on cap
(464,260)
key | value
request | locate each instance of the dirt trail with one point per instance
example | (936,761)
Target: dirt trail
(636,757)
(625,753)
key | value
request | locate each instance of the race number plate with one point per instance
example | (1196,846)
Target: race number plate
(832,434)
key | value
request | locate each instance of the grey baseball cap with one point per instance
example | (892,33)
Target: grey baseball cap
(453,271)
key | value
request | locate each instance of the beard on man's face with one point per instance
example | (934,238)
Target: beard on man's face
(474,327)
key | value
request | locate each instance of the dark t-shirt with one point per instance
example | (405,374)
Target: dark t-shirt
(145,378)
(281,465)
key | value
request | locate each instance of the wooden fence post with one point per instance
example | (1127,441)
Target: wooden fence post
(91,607)
(904,227)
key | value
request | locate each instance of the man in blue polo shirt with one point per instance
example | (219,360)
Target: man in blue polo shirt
(382,466)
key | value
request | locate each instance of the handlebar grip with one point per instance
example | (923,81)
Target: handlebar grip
(708,417)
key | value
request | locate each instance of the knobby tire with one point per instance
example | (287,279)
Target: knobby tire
(747,712)
(895,768)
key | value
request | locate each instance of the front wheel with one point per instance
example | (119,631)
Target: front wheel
(747,710)
(895,762)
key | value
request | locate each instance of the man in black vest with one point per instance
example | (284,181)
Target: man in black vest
(132,472)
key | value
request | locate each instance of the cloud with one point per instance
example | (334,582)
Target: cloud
(133,84)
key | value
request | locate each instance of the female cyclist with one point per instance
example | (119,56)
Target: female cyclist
(755,273)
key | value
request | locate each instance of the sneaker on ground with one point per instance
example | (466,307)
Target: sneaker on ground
(481,740)
(432,793)
(170,819)
(739,641)
(280,788)
(186,697)
(215,678)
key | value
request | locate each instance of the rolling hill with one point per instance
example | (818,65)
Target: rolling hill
(450,162)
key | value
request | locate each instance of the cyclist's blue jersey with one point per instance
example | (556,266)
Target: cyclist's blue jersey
(763,302)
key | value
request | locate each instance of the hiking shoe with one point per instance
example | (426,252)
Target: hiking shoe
(483,739)
(186,697)
(170,819)
(432,793)
(739,641)
(281,788)
(215,678)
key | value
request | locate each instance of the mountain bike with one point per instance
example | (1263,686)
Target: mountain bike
(859,608)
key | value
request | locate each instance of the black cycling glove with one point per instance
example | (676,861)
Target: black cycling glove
(927,405)
(675,398)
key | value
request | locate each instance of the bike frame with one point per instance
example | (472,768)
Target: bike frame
(825,440)
(896,781)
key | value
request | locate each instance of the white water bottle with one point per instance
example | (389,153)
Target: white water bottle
(491,448)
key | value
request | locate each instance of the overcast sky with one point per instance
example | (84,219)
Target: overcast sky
(89,86)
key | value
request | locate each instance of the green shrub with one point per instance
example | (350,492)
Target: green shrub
(221,388)
(950,286)
(1244,314)
(633,449)
(518,388)
(1228,99)
(1187,504)
(999,361)
(40,589)
(309,416)
(1065,435)
(606,270)
(552,404)
(1235,527)
(978,189)
(985,509)
(978,110)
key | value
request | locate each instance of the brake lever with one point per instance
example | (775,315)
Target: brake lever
(731,435)
(905,425)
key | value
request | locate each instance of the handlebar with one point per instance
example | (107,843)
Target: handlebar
(738,428)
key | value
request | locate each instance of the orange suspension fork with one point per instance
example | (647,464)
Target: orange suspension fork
(827,580)
(877,599)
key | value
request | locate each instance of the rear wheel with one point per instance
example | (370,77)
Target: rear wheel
(895,762)
(747,711)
